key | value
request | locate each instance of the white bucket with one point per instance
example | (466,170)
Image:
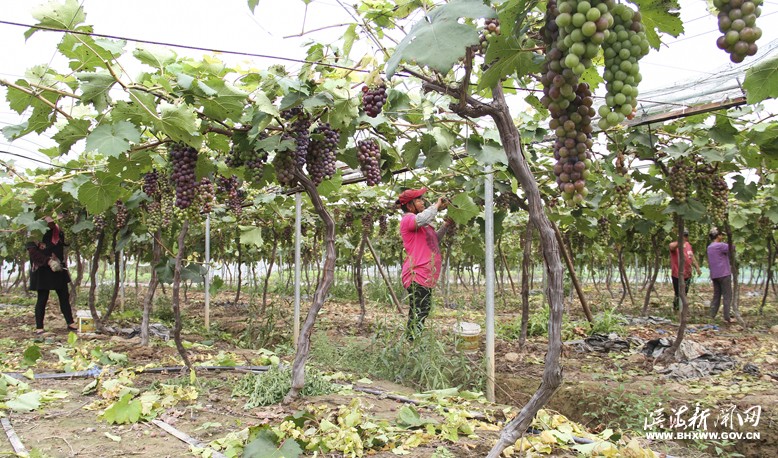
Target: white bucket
(470,336)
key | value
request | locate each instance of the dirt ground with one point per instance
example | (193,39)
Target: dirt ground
(598,388)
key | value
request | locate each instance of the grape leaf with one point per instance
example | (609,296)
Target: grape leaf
(95,87)
(125,410)
(74,130)
(250,235)
(439,40)
(507,58)
(112,139)
(26,402)
(180,123)
(264,446)
(98,196)
(591,76)
(660,16)
(157,57)
(66,15)
(31,355)
(252,4)
(327,187)
(226,101)
(462,209)
(762,81)
(487,153)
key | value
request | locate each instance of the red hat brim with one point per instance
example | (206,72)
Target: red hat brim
(410,194)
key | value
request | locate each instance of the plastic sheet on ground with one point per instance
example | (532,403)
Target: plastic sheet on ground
(604,343)
(646,320)
(156,330)
(696,360)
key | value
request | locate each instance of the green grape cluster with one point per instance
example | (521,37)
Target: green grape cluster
(284,163)
(583,28)
(720,199)
(621,190)
(622,49)
(737,21)
(231,189)
(603,231)
(680,179)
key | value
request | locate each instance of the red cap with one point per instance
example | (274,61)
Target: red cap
(410,194)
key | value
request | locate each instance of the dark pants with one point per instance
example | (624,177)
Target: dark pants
(721,286)
(421,302)
(677,298)
(64,306)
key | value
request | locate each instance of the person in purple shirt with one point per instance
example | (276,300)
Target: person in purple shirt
(720,274)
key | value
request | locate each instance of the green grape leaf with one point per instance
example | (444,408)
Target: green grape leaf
(660,16)
(691,210)
(99,195)
(87,53)
(250,235)
(180,123)
(26,402)
(591,76)
(264,446)
(31,355)
(439,40)
(508,59)
(462,209)
(66,15)
(253,4)
(264,104)
(156,57)
(18,100)
(95,87)
(744,192)
(74,130)
(226,102)
(487,153)
(112,139)
(762,81)
(72,185)
(327,187)
(216,284)
(125,410)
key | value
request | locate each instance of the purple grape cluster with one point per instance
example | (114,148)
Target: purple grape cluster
(369,157)
(151,183)
(299,131)
(737,21)
(383,224)
(99,222)
(367,223)
(373,99)
(284,163)
(121,214)
(231,188)
(206,196)
(491,29)
(321,153)
(183,160)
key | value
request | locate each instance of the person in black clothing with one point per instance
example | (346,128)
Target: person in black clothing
(43,279)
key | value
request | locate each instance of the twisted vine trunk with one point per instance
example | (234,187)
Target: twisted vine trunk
(269,271)
(93,279)
(176,296)
(358,281)
(156,250)
(525,264)
(671,352)
(116,278)
(552,374)
(770,261)
(320,295)
(652,281)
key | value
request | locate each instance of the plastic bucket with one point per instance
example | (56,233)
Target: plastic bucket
(469,336)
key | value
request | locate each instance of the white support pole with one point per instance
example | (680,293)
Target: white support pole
(207,283)
(121,279)
(489,263)
(297,236)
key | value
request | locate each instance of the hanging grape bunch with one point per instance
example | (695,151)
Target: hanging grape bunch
(508,201)
(206,196)
(383,224)
(703,177)
(299,131)
(737,21)
(603,231)
(99,222)
(321,153)
(720,199)
(573,33)
(491,29)
(284,163)
(680,178)
(153,216)
(183,160)
(373,99)
(151,184)
(622,190)
(121,214)
(348,219)
(230,187)
(369,157)
(233,158)
(367,224)
(624,46)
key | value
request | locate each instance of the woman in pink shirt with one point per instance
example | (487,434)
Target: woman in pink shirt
(422,265)
(720,275)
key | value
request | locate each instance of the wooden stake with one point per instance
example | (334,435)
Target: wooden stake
(185,437)
(13,438)
(383,275)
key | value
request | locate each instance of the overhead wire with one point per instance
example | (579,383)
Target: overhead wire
(40,161)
